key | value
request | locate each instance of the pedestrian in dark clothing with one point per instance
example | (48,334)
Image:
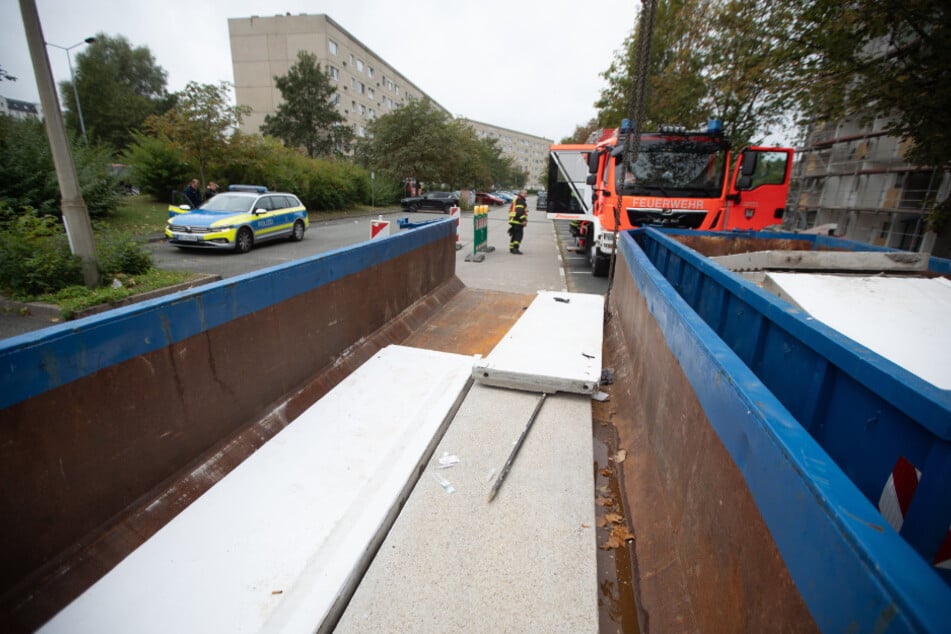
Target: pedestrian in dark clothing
(192,194)
(211,190)
(518,218)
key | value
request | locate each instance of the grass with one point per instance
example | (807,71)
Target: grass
(73,299)
(139,215)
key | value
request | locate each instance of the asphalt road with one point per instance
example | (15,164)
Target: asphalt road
(549,263)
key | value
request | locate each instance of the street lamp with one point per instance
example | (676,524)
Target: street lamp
(72,79)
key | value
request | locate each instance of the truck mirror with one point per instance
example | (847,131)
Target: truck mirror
(592,179)
(748,168)
(593,163)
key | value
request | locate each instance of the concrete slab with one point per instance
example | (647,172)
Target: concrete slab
(275,544)
(554,347)
(524,562)
(827,261)
(903,319)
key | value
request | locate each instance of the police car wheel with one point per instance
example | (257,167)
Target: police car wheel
(244,240)
(297,233)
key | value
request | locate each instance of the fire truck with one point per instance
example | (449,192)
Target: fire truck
(675,178)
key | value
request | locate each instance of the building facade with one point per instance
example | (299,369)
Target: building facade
(263,48)
(855,176)
(528,152)
(20,109)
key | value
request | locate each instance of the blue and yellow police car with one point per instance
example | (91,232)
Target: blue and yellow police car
(238,219)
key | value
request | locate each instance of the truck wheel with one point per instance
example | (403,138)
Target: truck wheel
(244,240)
(599,262)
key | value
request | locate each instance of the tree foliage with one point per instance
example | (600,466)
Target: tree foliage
(199,124)
(119,87)
(880,58)
(28,179)
(710,59)
(158,167)
(420,141)
(757,65)
(308,118)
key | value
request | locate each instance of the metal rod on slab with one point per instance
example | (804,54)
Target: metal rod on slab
(518,445)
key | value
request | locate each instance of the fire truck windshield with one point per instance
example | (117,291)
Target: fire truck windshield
(670,166)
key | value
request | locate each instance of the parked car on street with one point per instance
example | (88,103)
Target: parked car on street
(506,196)
(485,198)
(542,203)
(440,201)
(237,219)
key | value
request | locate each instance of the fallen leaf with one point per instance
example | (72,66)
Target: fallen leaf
(606,472)
(604,501)
(620,456)
(619,535)
(614,518)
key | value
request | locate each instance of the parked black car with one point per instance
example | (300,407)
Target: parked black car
(542,203)
(441,201)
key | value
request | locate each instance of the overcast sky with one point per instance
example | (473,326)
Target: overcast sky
(533,67)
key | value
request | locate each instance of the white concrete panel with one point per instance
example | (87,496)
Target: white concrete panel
(902,319)
(554,347)
(284,534)
(525,562)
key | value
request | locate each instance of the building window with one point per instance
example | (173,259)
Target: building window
(372,114)
(363,88)
(332,47)
(370,71)
(353,82)
(334,73)
(360,65)
(351,59)
(335,99)
(397,88)
(363,109)
(371,94)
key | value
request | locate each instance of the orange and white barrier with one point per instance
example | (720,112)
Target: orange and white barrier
(379,228)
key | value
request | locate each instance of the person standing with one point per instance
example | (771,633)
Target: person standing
(192,194)
(518,218)
(211,190)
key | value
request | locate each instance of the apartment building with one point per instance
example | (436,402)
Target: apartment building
(528,152)
(263,48)
(855,176)
(19,109)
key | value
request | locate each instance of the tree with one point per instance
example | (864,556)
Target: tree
(200,123)
(725,59)
(119,87)
(308,117)
(881,58)
(28,179)
(580,135)
(413,141)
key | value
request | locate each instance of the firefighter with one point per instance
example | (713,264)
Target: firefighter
(518,218)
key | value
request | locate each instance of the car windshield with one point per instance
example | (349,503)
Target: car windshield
(234,203)
(684,167)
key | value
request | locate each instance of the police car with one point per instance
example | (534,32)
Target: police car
(238,219)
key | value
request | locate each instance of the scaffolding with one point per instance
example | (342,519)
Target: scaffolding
(854,175)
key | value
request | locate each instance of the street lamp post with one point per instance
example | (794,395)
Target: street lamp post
(72,80)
